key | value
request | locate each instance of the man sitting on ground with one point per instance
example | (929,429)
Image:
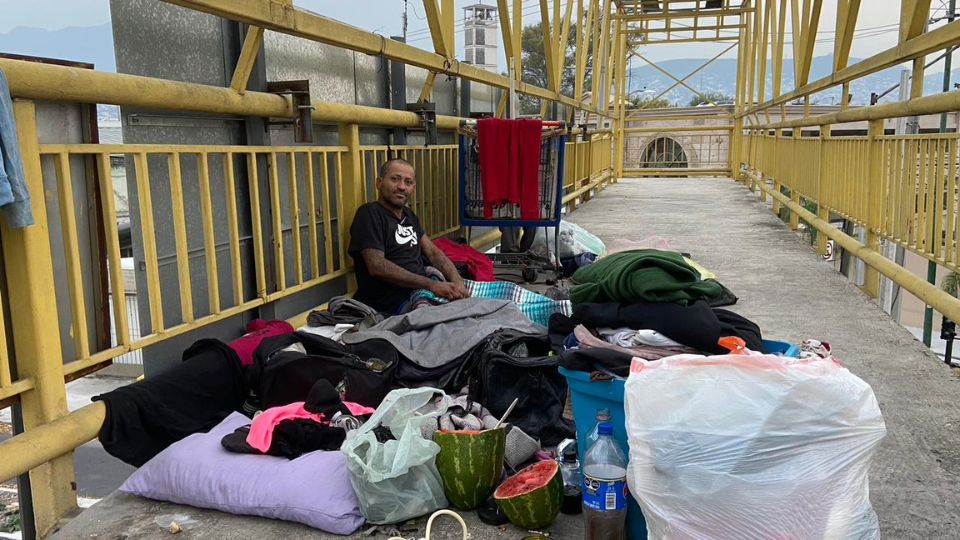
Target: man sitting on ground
(387,244)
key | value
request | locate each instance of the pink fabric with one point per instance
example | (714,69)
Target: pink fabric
(479,264)
(257,331)
(261,430)
(357,409)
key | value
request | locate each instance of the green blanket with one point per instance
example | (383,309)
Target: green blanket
(642,275)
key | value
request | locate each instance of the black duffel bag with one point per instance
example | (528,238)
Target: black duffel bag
(362,373)
(516,365)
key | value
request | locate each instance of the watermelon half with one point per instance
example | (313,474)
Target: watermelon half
(470,464)
(531,498)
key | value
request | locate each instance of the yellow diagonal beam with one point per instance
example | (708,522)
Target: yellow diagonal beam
(913,18)
(435,24)
(548,48)
(685,85)
(248,57)
(809,40)
(778,50)
(504,11)
(694,72)
(562,45)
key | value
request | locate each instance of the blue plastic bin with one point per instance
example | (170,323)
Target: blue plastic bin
(587,398)
(781,348)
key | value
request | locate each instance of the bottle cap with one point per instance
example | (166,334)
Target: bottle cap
(605,428)
(570,453)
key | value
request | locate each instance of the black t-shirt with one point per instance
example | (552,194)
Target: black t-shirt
(375,227)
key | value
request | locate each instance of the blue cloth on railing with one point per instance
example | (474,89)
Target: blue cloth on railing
(14,197)
(536,307)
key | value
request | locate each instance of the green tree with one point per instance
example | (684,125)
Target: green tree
(643,102)
(535,66)
(716,97)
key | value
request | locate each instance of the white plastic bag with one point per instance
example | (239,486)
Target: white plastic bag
(747,447)
(398,480)
(574,240)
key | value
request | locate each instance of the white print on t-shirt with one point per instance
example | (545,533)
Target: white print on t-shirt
(405,235)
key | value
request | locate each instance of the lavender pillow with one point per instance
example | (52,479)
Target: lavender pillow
(313,489)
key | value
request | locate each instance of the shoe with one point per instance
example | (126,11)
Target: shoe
(490,513)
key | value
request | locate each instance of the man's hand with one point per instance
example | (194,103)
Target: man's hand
(461,289)
(450,291)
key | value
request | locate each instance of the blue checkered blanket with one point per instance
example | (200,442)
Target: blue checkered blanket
(536,307)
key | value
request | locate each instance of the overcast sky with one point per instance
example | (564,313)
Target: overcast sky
(876,27)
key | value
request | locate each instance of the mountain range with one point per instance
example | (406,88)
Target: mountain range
(721,77)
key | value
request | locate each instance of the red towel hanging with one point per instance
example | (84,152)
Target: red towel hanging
(510,164)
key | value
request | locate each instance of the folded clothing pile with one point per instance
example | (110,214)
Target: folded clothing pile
(647,275)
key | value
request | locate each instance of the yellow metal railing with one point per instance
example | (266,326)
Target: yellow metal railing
(918,184)
(588,165)
(899,188)
(298,185)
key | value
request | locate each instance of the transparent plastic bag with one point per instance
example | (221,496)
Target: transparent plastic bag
(398,480)
(751,446)
(574,240)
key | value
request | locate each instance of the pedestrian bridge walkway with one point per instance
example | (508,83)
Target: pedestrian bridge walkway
(786,288)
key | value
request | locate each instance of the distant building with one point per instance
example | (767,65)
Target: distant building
(480,29)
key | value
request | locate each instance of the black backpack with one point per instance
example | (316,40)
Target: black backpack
(516,365)
(362,373)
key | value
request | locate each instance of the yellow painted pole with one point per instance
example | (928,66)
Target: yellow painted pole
(180,237)
(437,30)
(583,27)
(312,216)
(68,221)
(871,283)
(778,50)
(822,211)
(28,263)
(601,60)
(622,66)
(762,56)
(517,39)
(548,44)
(427,87)
(752,53)
(351,184)
(562,45)
(231,200)
(209,240)
(503,10)
(794,163)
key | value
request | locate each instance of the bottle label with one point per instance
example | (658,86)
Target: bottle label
(605,495)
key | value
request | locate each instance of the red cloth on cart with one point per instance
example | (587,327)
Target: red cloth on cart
(479,264)
(494,137)
(510,164)
(529,168)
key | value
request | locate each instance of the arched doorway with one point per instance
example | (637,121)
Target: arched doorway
(662,153)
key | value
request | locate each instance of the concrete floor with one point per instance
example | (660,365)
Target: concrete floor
(784,287)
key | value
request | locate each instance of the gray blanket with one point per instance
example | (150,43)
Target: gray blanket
(433,336)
